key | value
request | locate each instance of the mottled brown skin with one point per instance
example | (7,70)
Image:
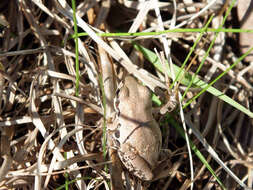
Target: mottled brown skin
(138,135)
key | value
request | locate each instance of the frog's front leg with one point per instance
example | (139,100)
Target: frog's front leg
(134,162)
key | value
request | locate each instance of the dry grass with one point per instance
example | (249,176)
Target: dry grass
(50,137)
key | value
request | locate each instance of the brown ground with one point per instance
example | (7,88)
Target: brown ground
(49,137)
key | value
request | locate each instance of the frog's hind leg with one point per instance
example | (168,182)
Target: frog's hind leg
(135,163)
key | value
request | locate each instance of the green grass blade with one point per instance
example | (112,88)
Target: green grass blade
(194,148)
(76,47)
(232,103)
(176,30)
(151,56)
(209,48)
(192,50)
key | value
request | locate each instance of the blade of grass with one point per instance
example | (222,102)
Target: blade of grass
(209,49)
(186,78)
(194,148)
(179,129)
(191,50)
(229,101)
(176,30)
(66,175)
(211,151)
(76,47)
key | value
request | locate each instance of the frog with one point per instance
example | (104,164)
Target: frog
(136,135)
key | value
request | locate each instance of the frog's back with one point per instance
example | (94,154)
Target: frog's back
(147,139)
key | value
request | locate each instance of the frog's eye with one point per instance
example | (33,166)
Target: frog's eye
(117,134)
